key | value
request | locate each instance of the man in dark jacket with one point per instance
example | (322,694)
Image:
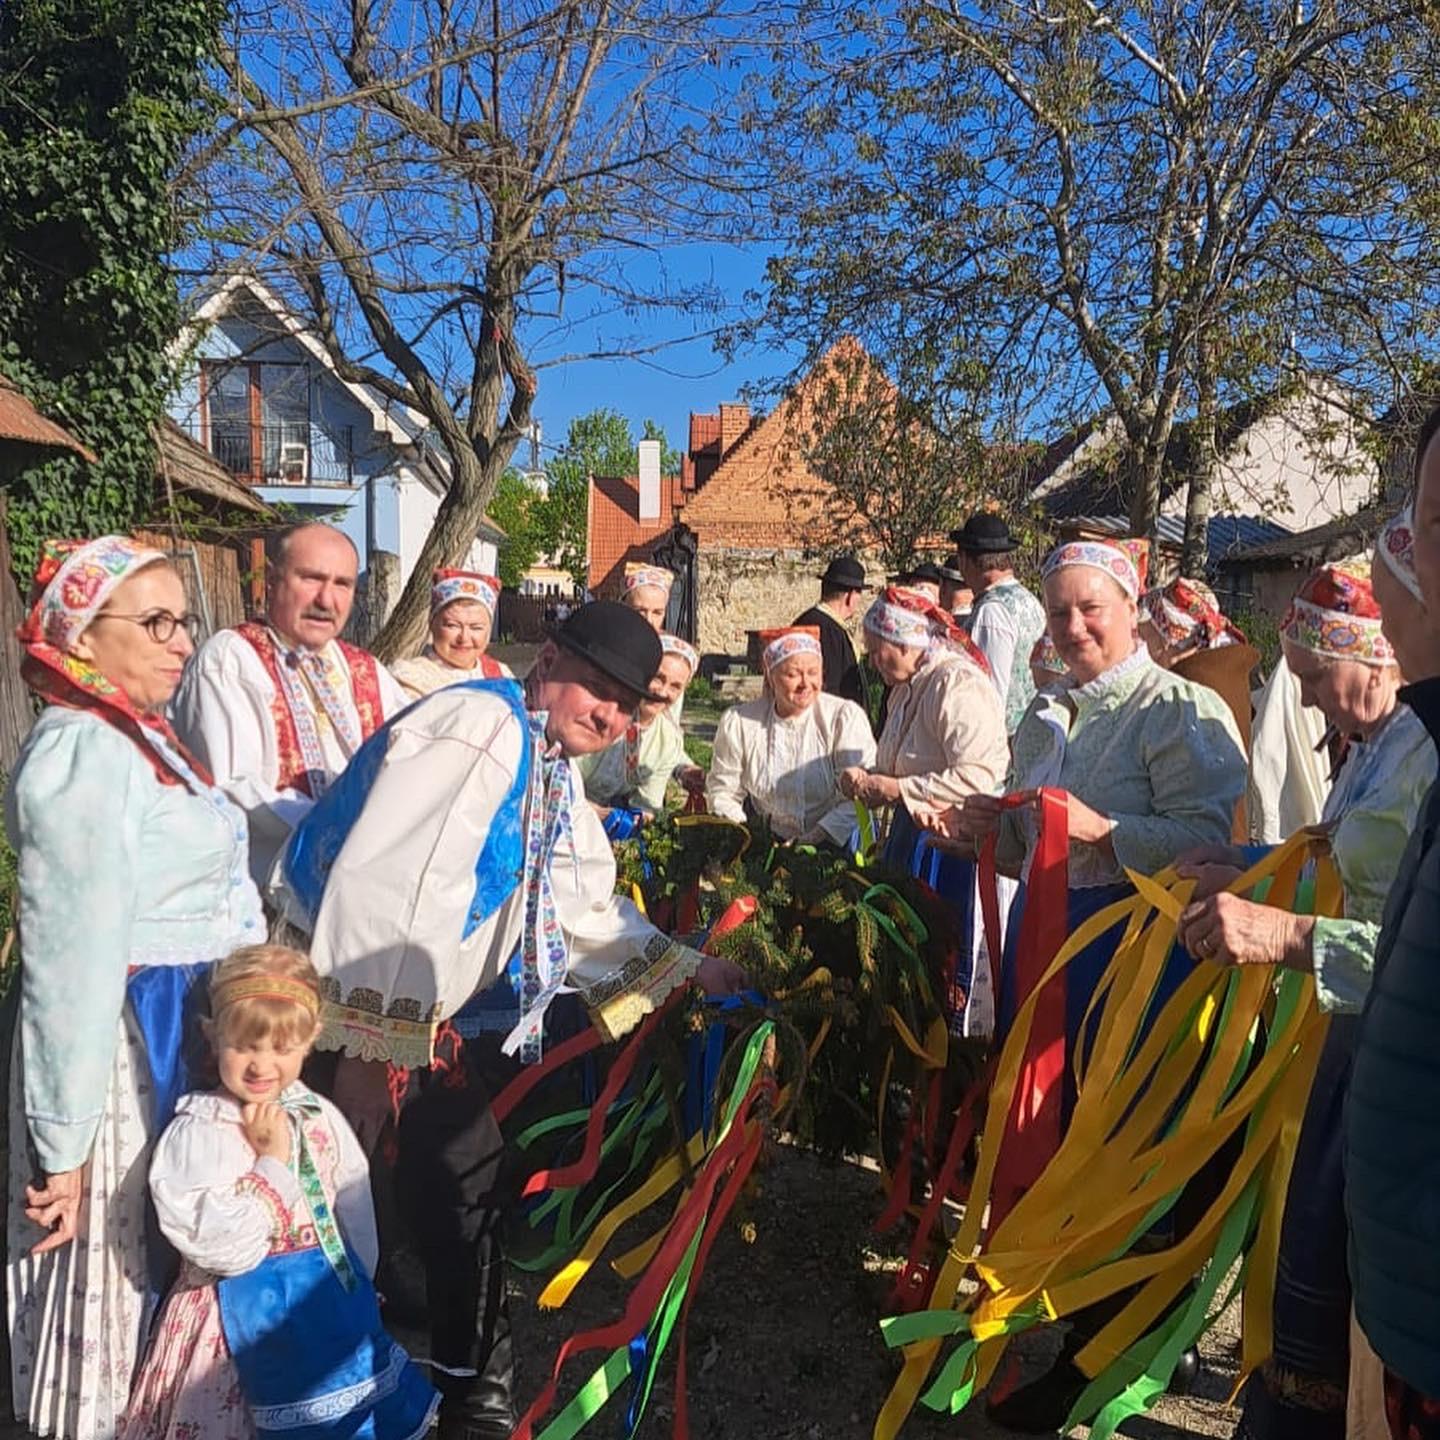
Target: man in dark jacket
(1392,1118)
(841,588)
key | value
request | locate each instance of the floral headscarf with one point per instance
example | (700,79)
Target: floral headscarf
(1397,549)
(637,575)
(913,620)
(1334,614)
(1124,561)
(1187,615)
(674,645)
(787,641)
(73,580)
(448,585)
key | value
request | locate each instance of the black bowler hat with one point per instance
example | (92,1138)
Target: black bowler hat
(985,535)
(844,572)
(616,640)
(926,573)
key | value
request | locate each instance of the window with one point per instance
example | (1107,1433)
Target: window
(257,419)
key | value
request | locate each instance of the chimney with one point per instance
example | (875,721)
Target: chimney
(734,421)
(649,451)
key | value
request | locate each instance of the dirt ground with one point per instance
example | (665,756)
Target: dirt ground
(784,1335)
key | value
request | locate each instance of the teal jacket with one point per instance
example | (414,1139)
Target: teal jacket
(1392,1119)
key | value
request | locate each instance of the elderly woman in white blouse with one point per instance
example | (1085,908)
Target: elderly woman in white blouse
(943,741)
(783,754)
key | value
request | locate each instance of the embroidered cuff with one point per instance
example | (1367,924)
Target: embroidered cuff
(365,1035)
(620,1001)
(270,1182)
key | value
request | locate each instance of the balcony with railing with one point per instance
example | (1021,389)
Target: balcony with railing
(294,452)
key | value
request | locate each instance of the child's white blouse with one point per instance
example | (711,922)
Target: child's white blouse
(225,1209)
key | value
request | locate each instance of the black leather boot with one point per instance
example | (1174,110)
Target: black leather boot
(482,1406)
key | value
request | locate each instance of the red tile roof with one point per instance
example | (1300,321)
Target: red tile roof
(617,533)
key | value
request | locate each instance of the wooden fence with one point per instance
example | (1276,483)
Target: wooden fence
(211,573)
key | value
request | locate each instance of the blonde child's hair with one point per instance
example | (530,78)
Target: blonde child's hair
(264,992)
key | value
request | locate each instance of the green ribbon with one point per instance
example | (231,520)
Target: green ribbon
(611,1376)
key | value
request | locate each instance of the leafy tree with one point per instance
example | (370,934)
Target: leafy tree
(600,443)
(98,102)
(514,509)
(1037,213)
(432,188)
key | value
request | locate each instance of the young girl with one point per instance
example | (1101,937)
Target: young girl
(261,1186)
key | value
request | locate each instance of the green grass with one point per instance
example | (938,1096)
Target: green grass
(700,751)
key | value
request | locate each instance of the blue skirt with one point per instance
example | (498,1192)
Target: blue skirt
(314,1360)
(953,879)
(1082,976)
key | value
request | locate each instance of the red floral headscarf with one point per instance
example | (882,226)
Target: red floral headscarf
(73,580)
(911,619)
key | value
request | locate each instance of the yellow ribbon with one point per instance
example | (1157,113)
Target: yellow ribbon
(1064,1242)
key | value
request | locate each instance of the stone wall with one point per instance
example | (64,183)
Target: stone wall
(744,590)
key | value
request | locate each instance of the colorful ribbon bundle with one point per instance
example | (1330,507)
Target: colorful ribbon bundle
(1231,1053)
(644,1137)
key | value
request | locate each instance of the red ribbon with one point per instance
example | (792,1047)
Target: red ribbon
(1032,1130)
(648,1291)
(589,1162)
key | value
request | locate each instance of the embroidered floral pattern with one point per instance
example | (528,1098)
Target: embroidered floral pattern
(637,575)
(1335,614)
(544,954)
(449,585)
(1118,563)
(1186,614)
(1397,550)
(783,644)
(674,645)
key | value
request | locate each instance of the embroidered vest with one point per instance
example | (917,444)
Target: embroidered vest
(317,840)
(364,689)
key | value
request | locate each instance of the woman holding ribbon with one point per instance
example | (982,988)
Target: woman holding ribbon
(133,876)
(944,740)
(1347,651)
(1122,766)
(631,775)
(462,617)
(783,754)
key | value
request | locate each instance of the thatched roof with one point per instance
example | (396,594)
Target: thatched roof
(20,420)
(188,465)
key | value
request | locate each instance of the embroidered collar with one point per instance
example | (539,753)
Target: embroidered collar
(1119,677)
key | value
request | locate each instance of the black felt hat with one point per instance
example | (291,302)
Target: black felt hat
(616,640)
(844,572)
(984,535)
(926,573)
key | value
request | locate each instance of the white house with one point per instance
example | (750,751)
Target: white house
(260,392)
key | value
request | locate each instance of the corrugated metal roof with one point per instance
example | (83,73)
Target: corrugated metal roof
(20,420)
(1228,535)
(1332,541)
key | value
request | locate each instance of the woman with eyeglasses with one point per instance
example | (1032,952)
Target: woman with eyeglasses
(133,877)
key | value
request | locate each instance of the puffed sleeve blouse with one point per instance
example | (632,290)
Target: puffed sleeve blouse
(1156,753)
(116,871)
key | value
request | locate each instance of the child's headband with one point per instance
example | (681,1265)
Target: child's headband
(264,987)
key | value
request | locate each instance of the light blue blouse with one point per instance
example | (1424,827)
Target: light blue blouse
(116,871)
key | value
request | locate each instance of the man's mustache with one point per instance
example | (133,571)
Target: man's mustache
(318,612)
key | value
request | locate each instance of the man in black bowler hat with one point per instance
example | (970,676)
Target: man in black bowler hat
(842,588)
(1006,619)
(455,873)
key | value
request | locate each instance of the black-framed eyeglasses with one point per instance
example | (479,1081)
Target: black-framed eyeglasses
(160,625)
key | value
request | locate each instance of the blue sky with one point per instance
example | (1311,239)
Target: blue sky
(687,373)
